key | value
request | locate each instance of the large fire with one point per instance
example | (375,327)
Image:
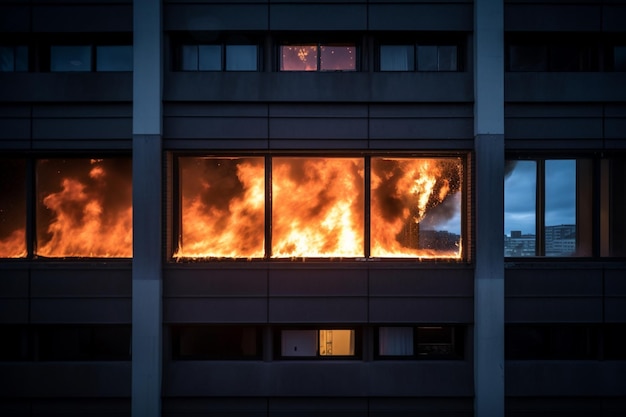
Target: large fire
(12,208)
(317,207)
(84,208)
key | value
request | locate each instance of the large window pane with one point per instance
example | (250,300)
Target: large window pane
(528,58)
(70,58)
(84,207)
(317,207)
(520,189)
(13,58)
(209,57)
(12,208)
(189,57)
(241,58)
(395,341)
(222,207)
(619,58)
(560,208)
(336,342)
(338,58)
(416,207)
(298,58)
(427,58)
(397,58)
(447,58)
(114,58)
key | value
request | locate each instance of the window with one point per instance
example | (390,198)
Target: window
(81,58)
(302,343)
(13,58)
(564,207)
(420,342)
(83,343)
(114,58)
(218,57)
(82,208)
(619,58)
(289,207)
(550,342)
(551,52)
(418,57)
(70,58)
(211,342)
(318,57)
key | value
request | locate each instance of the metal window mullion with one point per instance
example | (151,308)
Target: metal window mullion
(268,207)
(367,208)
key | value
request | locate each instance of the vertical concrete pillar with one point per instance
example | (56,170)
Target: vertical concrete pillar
(489,205)
(147,198)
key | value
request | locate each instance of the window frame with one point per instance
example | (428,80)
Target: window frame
(318,44)
(278,343)
(457,334)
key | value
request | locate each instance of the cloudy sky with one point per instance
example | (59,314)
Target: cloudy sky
(519,198)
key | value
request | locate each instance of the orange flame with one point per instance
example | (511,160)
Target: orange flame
(14,246)
(84,222)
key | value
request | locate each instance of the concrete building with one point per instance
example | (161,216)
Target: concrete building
(169,166)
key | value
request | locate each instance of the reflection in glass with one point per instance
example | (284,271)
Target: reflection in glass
(222,207)
(114,58)
(397,58)
(12,208)
(209,58)
(241,58)
(520,190)
(416,207)
(395,341)
(317,207)
(337,58)
(13,58)
(70,58)
(560,207)
(84,207)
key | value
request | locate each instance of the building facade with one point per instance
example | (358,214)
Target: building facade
(272,208)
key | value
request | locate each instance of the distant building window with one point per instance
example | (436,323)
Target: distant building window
(426,342)
(114,58)
(318,57)
(317,343)
(418,57)
(219,57)
(211,342)
(82,58)
(70,58)
(13,58)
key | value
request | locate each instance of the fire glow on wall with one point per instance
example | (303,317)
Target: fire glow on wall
(319,207)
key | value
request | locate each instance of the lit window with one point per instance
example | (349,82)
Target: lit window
(84,207)
(206,342)
(12,208)
(421,342)
(219,57)
(70,58)
(13,58)
(318,57)
(420,57)
(317,343)
(114,58)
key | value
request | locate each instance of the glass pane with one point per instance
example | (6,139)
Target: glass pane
(427,58)
(317,207)
(338,58)
(70,58)
(12,208)
(336,342)
(299,343)
(397,58)
(565,58)
(395,341)
(447,58)
(560,215)
(189,57)
(241,58)
(7,59)
(520,185)
(528,58)
(222,207)
(619,58)
(114,58)
(436,341)
(416,207)
(203,342)
(84,207)
(298,58)
(21,58)
(617,207)
(210,58)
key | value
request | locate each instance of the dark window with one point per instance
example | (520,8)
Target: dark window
(528,58)
(212,342)
(615,341)
(318,57)
(65,58)
(619,58)
(218,57)
(550,342)
(13,208)
(317,343)
(421,342)
(85,58)
(417,56)
(114,58)
(552,52)
(13,58)
(83,342)
(15,344)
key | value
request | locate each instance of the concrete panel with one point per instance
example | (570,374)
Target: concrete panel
(615,309)
(14,310)
(421,310)
(215,17)
(553,128)
(321,16)
(318,128)
(564,87)
(318,282)
(215,310)
(15,130)
(318,310)
(421,111)
(613,17)
(195,282)
(80,379)
(580,309)
(321,144)
(233,407)
(82,129)
(421,128)
(79,144)
(14,282)
(553,282)
(551,144)
(435,407)
(215,144)
(215,110)
(64,282)
(83,18)
(615,128)
(15,18)
(421,282)
(318,378)
(427,16)
(214,128)
(80,310)
(561,17)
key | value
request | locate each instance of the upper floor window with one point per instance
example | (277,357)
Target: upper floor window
(318,57)
(413,57)
(218,57)
(552,52)
(85,58)
(13,58)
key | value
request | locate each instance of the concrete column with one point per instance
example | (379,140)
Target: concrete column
(147,198)
(489,205)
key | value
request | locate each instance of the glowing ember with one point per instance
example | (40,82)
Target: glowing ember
(85,208)
(317,207)
(223,208)
(407,192)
